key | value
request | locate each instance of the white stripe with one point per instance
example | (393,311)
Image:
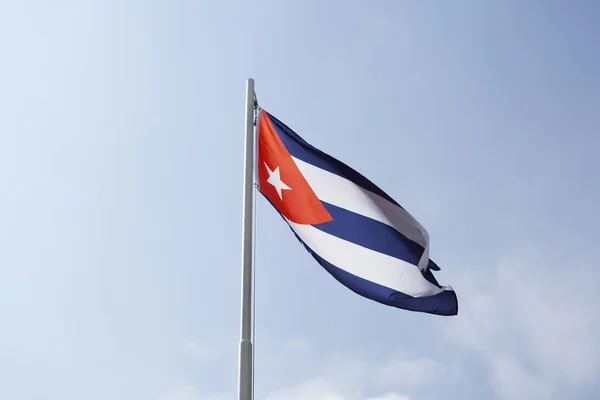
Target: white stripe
(365,263)
(343,193)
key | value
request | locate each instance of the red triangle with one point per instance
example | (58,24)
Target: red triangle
(299,204)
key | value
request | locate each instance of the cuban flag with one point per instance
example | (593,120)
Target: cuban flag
(353,229)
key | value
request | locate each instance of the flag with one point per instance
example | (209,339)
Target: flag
(352,228)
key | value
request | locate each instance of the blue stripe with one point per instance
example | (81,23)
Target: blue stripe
(304,151)
(371,234)
(444,303)
(301,149)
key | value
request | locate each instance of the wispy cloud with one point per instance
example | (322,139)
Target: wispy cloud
(351,377)
(532,324)
(192,393)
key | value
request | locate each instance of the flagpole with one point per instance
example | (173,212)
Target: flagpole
(246,364)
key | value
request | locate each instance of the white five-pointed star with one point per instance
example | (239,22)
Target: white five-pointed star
(275,180)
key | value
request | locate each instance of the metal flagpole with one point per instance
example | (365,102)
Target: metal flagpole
(246,373)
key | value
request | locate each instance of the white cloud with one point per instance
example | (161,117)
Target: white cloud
(314,389)
(511,381)
(390,396)
(409,373)
(359,379)
(534,325)
(321,389)
(192,393)
(184,393)
(347,379)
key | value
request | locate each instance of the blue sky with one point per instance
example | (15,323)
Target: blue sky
(121,151)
